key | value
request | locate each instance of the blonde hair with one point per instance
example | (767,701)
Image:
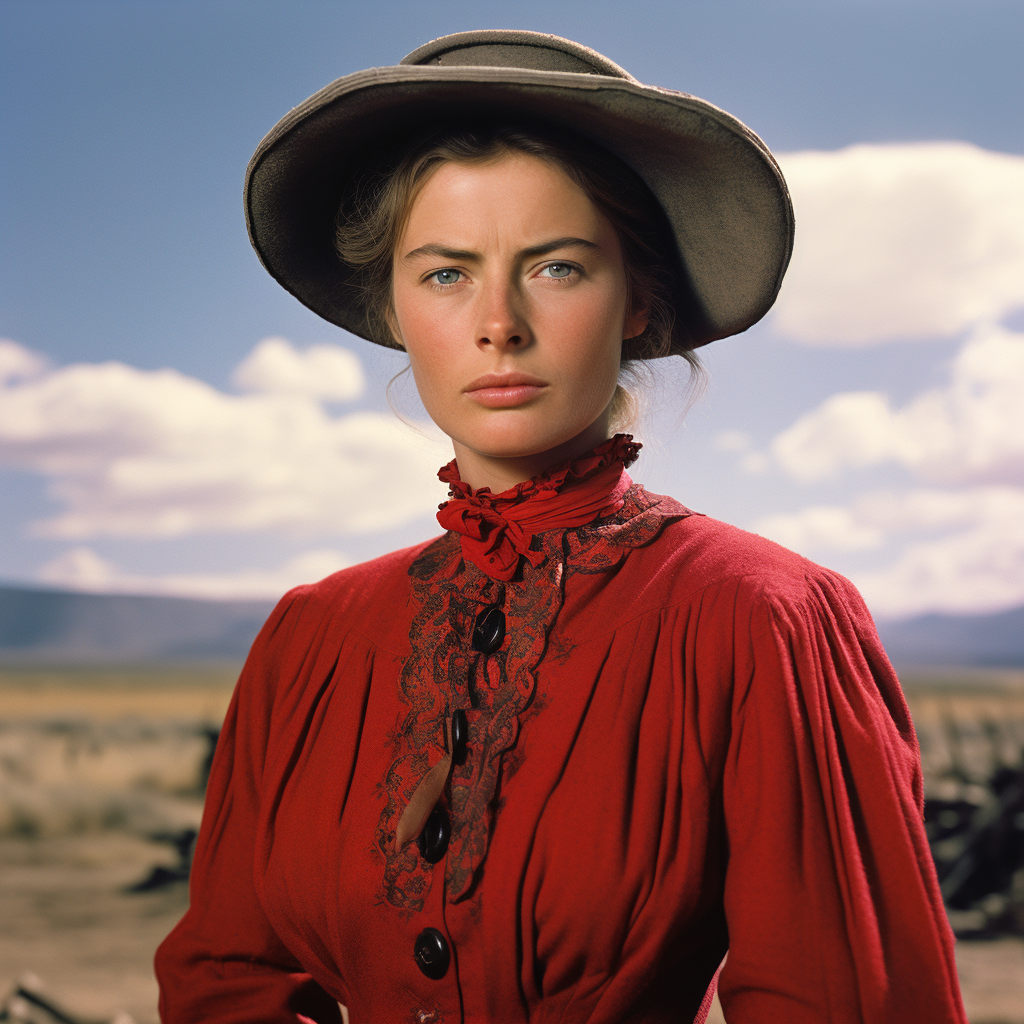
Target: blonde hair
(377,205)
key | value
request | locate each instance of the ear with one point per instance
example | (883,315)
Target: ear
(635,324)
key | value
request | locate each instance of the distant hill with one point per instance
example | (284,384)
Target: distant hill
(63,627)
(994,641)
(56,626)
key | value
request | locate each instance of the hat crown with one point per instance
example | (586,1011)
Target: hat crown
(510,48)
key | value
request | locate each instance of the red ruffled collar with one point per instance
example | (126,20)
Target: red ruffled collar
(498,529)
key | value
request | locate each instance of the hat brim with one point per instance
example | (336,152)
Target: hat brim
(723,194)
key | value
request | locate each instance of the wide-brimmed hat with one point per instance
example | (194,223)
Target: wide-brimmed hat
(723,195)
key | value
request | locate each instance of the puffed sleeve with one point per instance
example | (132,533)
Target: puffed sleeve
(833,909)
(223,963)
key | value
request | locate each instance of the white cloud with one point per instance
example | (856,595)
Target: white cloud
(328,372)
(901,241)
(959,547)
(962,551)
(820,527)
(910,242)
(145,453)
(978,569)
(81,568)
(932,509)
(968,431)
(18,363)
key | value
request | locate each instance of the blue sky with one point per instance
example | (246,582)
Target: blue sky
(126,128)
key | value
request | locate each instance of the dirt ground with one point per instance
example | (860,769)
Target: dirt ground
(65,917)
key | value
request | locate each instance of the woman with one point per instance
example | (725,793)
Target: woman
(557,763)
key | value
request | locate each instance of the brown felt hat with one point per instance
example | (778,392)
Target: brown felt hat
(723,195)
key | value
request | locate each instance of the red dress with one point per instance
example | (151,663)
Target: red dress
(688,741)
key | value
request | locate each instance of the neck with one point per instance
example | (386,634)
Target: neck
(480,470)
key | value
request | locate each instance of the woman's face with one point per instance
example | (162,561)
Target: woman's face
(510,298)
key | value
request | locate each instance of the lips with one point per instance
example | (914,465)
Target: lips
(504,380)
(504,390)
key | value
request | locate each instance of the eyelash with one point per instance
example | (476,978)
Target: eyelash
(431,278)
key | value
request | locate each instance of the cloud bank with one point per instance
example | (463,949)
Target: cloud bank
(327,372)
(958,551)
(901,242)
(155,453)
(970,430)
(959,546)
(80,568)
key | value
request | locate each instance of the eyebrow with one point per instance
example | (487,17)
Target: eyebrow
(467,255)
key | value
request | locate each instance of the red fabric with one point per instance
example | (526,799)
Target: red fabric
(496,529)
(690,742)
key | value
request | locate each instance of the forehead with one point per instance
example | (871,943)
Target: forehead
(513,192)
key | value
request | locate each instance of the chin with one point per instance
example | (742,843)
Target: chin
(518,440)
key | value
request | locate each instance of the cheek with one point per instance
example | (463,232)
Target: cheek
(427,369)
(591,333)
(428,346)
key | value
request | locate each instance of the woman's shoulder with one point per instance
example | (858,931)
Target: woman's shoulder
(317,626)
(383,572)
(701,552)
(728,581)
(365,596)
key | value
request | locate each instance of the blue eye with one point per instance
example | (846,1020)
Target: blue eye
(446,277)
(558,270)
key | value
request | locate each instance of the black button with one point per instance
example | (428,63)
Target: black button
(489,631)
(432,956)
(433,840)
(460,736)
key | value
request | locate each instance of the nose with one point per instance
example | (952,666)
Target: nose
(502,323)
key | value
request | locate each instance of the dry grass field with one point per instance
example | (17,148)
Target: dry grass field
(95,763)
